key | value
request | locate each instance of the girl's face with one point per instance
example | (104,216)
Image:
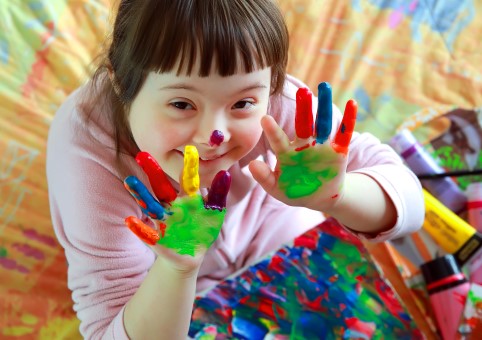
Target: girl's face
(173,111)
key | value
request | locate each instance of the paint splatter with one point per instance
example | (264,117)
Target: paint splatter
(191,226)
(303,172)
(331,292)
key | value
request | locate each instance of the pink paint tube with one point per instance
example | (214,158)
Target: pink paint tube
(474,209)
(420,162)
(448,289)
(474,205)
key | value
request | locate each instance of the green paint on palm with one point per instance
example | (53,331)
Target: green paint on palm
(3,252)
(302,172)
(191,226)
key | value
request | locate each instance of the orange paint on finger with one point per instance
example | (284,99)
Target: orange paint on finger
(143,231)
(342,139)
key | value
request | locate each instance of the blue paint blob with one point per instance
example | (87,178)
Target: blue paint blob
(324,115)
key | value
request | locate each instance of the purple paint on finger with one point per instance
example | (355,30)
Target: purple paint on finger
(219,191)
(217,138)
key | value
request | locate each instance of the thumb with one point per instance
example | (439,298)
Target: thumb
(264,176)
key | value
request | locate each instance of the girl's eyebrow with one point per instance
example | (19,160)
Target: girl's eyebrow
(184,86)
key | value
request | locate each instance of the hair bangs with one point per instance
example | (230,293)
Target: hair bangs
(221,36)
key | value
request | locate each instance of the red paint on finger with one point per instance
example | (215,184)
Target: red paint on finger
(162,229)
(304,113)
(306,146)
(342,138)
(161,185)
(143,231)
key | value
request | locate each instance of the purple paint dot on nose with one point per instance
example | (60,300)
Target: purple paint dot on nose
(217,138)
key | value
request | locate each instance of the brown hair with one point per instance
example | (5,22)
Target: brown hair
(158,35)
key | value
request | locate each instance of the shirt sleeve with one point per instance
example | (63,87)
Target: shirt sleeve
(106,262)
(368,156)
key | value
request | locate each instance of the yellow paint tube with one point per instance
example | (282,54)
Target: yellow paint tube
(450,232)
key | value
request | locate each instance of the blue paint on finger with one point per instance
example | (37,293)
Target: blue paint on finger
(148,204)
(324,115)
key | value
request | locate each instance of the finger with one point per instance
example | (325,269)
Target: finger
(219,191)
(277,138)
(142,230)
(263,175)
(345,131)
(324,114)
(149,205)
(304,113)
(162,187)
(190,172)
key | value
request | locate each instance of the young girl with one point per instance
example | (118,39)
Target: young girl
(208,74)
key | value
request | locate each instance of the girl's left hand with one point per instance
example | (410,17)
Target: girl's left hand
(310,170)
(187,224)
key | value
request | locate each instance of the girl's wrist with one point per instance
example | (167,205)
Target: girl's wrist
(179,267)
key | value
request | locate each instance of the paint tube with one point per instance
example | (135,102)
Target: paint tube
(421,162)
(474,208)
(474,205)
(448,288)
(450,232)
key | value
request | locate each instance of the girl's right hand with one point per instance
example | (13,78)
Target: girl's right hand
(187,225)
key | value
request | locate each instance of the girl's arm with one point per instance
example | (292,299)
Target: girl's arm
(365,207)
(187,226)
(162,306)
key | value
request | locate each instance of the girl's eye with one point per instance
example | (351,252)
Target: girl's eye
(182,105)
(243,104)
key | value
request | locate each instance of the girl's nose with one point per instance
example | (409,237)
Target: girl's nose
(217,137)
(212,131)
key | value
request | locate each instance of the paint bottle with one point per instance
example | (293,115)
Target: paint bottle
(450,232)
(421,162)
(474,205)
(474,209)
(447,288)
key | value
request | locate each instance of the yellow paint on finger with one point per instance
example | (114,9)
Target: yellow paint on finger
(190,173)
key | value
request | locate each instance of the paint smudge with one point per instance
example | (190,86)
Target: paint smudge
(217,137)
(191,226)
(303,172)
(331,291)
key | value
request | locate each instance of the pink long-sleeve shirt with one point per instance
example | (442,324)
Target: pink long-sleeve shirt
(107,262)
